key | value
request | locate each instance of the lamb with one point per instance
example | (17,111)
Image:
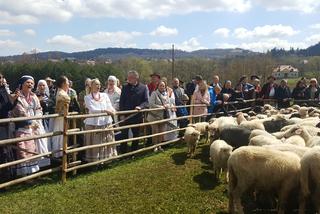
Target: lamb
(202,127)
(251,167)
(253,124)
(261,140)
(298,150)
(220,151)
(310,172)
(191,137)
(216,125)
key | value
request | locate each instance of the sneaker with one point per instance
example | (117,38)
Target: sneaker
(160,149)
(155,149)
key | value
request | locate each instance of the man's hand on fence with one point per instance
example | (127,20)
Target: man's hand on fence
(138,108)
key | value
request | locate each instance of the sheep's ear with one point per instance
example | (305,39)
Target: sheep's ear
(298,131)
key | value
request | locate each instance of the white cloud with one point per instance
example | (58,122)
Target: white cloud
(35,10)
(94,40)
(30,32)
(67,41)
(32,11)
(115,39)
(224,32)
(7,19)
(264,45)
(188,45)
(266,31)
(313,39)
(164,31)
(304,6)
(315,26)
(6,32)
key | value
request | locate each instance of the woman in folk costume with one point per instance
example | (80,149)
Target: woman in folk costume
(97,102)
(62,99)
(173,124)
(28,105)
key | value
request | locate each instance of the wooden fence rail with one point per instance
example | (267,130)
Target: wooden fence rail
(69,120)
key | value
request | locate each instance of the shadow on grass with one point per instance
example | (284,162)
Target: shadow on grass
(179,158)
(206,181)
(204,154)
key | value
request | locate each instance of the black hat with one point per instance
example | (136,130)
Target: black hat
(198,78)
(253,77)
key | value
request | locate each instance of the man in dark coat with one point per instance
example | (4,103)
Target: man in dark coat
(134,96)
(7,102)
(283,94)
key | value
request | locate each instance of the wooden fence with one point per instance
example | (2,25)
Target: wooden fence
(70,130)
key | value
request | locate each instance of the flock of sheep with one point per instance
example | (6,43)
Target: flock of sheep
(270,152)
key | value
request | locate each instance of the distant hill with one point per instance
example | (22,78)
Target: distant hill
(119,53)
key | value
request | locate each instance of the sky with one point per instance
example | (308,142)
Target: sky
(78,25)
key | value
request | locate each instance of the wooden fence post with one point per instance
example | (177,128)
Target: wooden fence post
(65,144)
(74,155)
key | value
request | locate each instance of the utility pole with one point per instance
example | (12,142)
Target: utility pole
(172,60)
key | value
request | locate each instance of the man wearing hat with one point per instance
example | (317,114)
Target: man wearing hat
(153,85)
(269,89)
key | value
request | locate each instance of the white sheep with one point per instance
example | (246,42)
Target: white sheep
(264,170)
(257,132)
(310,174)
(191,137)
(252,124)
(202,127)
(298,150)
(310,140)
(295,140)
(216,125)
(220,151)
(261,140)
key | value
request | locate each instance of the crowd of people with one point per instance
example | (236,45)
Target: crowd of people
(52,96)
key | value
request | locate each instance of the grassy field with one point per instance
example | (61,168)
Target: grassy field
(166,182)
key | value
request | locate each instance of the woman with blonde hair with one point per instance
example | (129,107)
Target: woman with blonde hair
(98,102)
(201,96)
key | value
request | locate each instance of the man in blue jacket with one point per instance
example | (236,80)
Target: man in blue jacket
(134,96)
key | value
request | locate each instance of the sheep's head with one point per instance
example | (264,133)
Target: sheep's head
(196,134)
(296,107)
(303,111)
(213,131)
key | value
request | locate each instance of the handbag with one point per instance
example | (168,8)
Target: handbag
(165,111)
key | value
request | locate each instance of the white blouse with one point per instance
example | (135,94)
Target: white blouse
(95,106)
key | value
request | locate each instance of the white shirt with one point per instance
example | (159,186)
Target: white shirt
(95,106)
(272,92)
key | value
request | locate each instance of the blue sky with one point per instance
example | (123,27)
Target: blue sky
(75,25)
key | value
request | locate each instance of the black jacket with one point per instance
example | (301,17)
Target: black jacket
(133,96)
(5,103)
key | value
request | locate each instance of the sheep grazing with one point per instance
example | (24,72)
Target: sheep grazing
(309,180)
(202,127)
(261,140)
(191,137)
(220,151)
(253,124)
(262,169)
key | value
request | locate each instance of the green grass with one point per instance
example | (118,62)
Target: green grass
(166,182)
